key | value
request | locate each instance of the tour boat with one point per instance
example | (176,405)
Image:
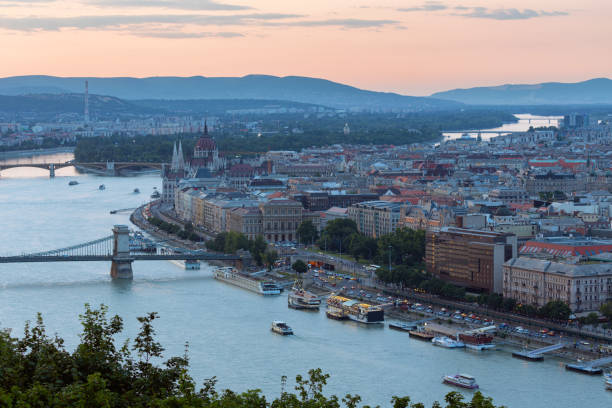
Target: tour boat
(155,194)
(477,341)
(461,380)
(254,284)
(280,327)
(339,308)
(73,183)
(447,342)
(299,298)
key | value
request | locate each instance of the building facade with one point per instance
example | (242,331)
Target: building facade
(469,258)
(584,286)
(375,218)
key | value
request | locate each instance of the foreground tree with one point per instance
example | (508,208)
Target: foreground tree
(37,371)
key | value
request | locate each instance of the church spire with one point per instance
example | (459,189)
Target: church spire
(205,128)
(181,159)
(175,163)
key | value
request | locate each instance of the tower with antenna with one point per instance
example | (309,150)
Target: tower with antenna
(86,112)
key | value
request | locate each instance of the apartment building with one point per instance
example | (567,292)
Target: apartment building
(583,285)
(375,218)
(470,258)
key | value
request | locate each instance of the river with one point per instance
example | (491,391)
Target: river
(525,120)
(228,328)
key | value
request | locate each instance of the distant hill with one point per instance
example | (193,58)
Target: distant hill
(70,103)
(593,91)
(292,88)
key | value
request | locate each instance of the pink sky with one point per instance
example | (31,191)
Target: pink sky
(410,47)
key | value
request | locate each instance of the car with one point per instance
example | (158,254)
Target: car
(368,296)
(457,317)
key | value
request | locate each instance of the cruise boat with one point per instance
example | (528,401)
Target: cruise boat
(279,327)
(447,342)
(461,380)
(421,334)
(299,298)
(477,341)
(257,285)
(339,307)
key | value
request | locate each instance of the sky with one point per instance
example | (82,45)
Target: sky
(413,47)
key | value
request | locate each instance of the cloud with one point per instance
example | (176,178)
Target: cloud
(115,21)
(427,6)
(341,22)
(183,35)
(199,5)
(505,14)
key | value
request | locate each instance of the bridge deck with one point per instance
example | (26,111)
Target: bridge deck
(547,349)
(134,257)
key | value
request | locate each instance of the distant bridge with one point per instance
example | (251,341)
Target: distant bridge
(106,168)
(115,248)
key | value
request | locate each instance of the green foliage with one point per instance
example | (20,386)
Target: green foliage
(307,232)
(38,372)
(299,266)
(337,234)
(556,310)
(606,309)
(230,242)
(269,257)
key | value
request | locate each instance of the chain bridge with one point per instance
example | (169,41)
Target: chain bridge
(116,249)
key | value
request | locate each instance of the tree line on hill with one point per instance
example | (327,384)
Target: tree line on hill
(103,372)
(277,134)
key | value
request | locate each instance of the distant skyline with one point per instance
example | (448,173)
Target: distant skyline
(409,47)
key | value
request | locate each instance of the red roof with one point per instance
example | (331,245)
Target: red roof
(206,143)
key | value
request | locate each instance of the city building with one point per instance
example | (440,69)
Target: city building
(280,219)
(584,285)
(375,218)
(470,258)
(551,182)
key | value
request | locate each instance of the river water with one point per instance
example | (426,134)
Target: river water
(228,328)
(525,121)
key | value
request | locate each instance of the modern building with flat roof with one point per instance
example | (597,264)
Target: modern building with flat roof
(375,218)
(469,258)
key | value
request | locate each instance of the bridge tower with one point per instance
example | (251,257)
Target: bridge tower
(121,266)
(52,170)
(110,168)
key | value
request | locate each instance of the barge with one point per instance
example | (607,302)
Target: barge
(257,285)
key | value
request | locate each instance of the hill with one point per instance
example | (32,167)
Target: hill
(290,88)
(593,91)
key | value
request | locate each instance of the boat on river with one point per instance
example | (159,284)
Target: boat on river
(102,187)
(136,191)
(299,298)
(155,194)
(281,328)
(254,284)
(340,308)
(477,341)
(461,380)
(447,342)
(421,334)
(73,183)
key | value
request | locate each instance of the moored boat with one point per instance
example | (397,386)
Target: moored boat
(447,342)
(477,341)
(341,307)
(254,284)
(282,328)
(421,334)
(461,380)
(299,298)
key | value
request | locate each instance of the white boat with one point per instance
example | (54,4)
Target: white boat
(447,342)
(299,298)
(254,284)
(340,308)
(608,381)
(281,327)
(461,380)
(155,194)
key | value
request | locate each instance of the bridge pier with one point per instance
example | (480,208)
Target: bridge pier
(51,170)
(110,168)
(121,266)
